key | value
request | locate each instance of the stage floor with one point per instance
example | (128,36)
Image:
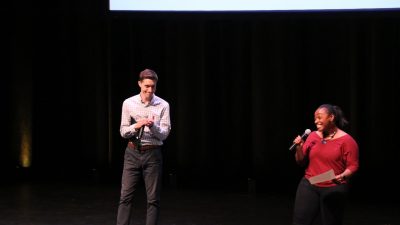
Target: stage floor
(95,203)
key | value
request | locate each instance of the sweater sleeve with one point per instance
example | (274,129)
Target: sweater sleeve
(351,155)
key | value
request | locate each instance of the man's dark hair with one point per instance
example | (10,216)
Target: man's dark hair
(148,74)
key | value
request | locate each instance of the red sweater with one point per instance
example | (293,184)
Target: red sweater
(337,154)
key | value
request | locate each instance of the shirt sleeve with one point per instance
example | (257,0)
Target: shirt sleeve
(162,130)
(309,143)
(127,129)
(351,155)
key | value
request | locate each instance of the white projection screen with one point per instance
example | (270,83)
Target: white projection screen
(250,5)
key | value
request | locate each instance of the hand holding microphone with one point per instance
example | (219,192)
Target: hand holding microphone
(143,123)
(299,139)
(140,130)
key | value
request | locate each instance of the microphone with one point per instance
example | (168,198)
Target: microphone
(306,133)
(138,138)
(140,133)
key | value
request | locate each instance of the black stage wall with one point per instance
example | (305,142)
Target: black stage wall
(240,86)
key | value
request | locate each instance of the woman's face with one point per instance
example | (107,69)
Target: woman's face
(322,119)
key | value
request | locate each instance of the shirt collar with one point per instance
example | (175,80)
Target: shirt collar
(154,101)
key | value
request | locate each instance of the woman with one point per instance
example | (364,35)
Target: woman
(327,148)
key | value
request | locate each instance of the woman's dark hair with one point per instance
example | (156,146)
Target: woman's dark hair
(335,110)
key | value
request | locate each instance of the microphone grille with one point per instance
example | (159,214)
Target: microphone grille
(307,131)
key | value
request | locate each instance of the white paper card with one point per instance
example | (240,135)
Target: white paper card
(328,175)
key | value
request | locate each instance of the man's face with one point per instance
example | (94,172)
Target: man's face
(147,88)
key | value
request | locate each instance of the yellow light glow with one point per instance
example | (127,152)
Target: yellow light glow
(26,147)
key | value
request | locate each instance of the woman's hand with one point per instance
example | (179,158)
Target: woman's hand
(298,141)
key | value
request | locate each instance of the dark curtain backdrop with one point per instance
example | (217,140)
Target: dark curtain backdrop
(241,87)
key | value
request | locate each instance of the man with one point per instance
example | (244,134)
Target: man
(145,122)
